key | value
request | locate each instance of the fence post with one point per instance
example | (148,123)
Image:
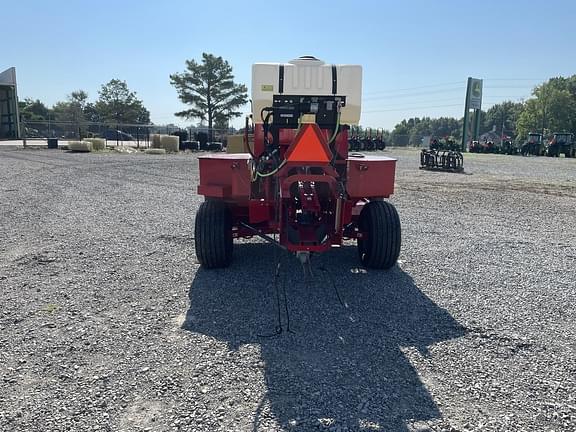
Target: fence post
(23,123)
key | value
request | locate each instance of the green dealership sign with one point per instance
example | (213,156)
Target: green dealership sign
(474,92)
(473,102)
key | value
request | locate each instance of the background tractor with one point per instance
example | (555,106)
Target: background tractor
(368,142)
(533,146)
(354,142)
(379,142)
(507,147)
(561,143)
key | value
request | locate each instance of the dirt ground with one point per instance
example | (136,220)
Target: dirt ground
(108,323)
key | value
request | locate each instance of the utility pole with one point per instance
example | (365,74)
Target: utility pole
(502,129)
(465,121)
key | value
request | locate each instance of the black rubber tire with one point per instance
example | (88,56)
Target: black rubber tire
(380,224)
(213,234)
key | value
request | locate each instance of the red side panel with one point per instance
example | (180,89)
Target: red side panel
(370,176)
(260,211)
(225,176)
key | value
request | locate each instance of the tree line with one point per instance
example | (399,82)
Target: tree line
(116,104)
(208,89)
(552,108)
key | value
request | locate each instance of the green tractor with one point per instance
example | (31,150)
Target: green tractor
(561,143)
(507,147)
(534,145)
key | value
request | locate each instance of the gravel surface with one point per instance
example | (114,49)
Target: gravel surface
(108,324)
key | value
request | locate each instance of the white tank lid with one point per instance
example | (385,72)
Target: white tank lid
(306,60)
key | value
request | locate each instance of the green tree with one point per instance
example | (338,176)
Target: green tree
(73,108)
(209,88)
(529,120)
(502,117)
(91,114)
(33,110)
(402,128)
(413,130)
(551,109)
(117,104)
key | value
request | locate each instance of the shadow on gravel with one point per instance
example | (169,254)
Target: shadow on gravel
(341,363)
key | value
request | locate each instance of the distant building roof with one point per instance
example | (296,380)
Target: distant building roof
(8,77)
(490,136)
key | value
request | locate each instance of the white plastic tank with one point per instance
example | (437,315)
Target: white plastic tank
(307,75)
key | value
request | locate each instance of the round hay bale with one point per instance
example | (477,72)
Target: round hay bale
(80,146)
(155,151)
(98,144)
(155,143)
(170,143)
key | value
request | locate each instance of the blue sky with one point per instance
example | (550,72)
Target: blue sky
(416,55)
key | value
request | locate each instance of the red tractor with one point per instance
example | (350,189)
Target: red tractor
(298,187)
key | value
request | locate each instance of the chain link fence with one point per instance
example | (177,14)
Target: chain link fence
(413,140)
(402,140)
(139,135)
(136,135)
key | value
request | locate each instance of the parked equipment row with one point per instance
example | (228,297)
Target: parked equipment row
(535,145)
(365,141)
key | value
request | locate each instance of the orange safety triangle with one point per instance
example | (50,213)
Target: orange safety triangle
(309,146)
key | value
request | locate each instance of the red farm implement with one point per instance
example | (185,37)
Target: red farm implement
(298,187)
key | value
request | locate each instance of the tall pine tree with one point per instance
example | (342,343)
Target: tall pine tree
(209,88)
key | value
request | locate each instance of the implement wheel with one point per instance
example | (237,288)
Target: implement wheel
(380,225)
(213,234)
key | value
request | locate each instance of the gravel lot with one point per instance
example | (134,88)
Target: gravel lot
(108,324)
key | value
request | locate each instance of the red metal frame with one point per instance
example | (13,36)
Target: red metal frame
(312,206)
